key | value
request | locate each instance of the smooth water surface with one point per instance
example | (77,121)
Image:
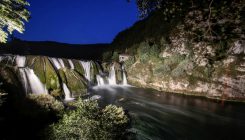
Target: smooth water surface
(165,116)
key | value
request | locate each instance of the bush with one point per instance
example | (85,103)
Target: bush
(147,52)
(162,70)
(174,60)
(181,69)
(88,121)
(115,56)
(130,61)
(47,102)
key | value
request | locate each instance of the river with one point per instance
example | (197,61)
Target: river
(167,116)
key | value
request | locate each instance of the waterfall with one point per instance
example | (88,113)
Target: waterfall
(36,85)
(24,79)
(56,63)
(67,93)
(86,67)
(125,82)
(61,63)
(20,61)
(71,64)
(100,80)
(112,76)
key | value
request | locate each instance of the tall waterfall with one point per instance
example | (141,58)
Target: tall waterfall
(56,63)
(67,93)
(20,61)
(112,76)
(100,80)
(61,63)
(125,82)
(36,85)
(86,67)
(71,64)
(24,79)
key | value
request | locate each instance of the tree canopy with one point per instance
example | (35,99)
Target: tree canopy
(203,20)
(13,14)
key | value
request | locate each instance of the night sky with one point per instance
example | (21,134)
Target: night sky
(78,21)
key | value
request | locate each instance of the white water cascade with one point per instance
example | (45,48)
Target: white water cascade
(100,80)
(71,64)
(56,63)
(125,82)
(112,76)
(86,67)
(36,85)
(24,79)
(67,93)
(61,63)
(20,61)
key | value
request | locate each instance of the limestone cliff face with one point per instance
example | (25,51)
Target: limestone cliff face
(176,71)
(164,58)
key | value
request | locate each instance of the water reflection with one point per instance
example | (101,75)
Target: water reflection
(157,115)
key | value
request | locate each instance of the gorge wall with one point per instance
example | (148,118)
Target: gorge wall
(161,56)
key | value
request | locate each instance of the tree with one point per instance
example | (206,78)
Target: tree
(13,13)
(203,20)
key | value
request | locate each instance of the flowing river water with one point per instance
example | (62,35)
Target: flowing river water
(165,116)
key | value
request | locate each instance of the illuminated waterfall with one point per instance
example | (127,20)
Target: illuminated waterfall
(24,79)
(67,93)
(20,61)
(71,64)
(100,80)
(86,67)
(112,76)
(35,84)
(125,82)
(55,63)
(61,63)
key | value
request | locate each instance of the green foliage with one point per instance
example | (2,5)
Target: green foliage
(46,102)
(12,15)
(162,70)
(209,20)
(115,56)
(174,60)
(182,68)
(88,121)
(107,55)
(147,52)
(130,61)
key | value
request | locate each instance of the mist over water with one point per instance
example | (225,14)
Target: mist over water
(157,115)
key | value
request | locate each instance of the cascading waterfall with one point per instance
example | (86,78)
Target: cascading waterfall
(61,63)
(36,85)
(112,76)
(125,82)
(86,67)
(56,63)
(100,80)
(67,93)
(20,61)
(24,79)
(71,64)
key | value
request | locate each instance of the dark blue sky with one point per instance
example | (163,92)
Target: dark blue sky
(78,21)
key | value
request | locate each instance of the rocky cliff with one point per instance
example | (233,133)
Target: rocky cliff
(164,58)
